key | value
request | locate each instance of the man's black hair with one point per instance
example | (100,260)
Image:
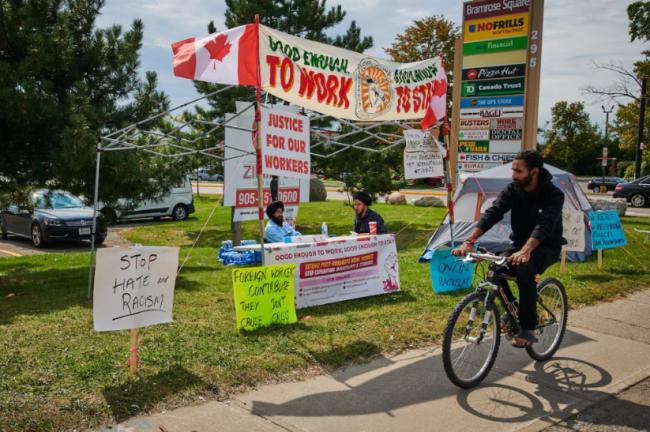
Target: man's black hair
(532,158)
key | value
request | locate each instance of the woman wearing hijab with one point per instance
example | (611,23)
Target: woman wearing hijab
(276,228)
(361,202)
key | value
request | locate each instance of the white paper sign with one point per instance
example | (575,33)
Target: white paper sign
(422,159)
(240,185)
(573,226)
(134,287)
(285,144)
(340,269)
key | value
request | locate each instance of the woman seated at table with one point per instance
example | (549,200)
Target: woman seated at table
(276,228)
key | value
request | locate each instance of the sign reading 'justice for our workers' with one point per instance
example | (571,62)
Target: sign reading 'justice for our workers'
(285,144)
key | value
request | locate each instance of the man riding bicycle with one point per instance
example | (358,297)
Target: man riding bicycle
(535,206)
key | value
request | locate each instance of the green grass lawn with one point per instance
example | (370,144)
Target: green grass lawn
(56,373)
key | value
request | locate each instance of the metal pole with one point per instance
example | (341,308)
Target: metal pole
(198,180)
(91,266)
(603,187)
(449,186)
(258,135)
(639,141)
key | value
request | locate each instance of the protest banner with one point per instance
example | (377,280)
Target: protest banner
(422,159)
(449,272)
(134,287)
(264,296)
(340,269)
(343,83)
(285,144)
(240,182)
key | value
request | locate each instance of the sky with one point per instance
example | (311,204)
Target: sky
(576,35)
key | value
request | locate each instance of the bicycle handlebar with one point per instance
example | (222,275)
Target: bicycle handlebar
(478,257)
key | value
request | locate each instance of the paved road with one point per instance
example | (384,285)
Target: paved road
(24,247)
(17,246)
(625,412)
(412,195)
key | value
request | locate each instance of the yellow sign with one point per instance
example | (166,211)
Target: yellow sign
(494,59)
(503,26)
(264,296)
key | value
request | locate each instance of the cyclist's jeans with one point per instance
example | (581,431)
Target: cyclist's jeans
(540,259)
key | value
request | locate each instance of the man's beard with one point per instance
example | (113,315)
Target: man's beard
(278,220)
(525,182)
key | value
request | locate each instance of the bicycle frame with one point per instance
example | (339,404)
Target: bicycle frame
(496,285)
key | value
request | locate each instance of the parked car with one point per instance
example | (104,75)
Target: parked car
(204,175)
(51,215)
(610,183)
(637,193)
(177,203)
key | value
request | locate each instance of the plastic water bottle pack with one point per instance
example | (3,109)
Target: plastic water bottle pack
(228,256)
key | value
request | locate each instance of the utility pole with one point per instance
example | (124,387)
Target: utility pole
(603,187)
(639,141)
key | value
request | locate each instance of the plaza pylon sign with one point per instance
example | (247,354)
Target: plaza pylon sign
(319,77)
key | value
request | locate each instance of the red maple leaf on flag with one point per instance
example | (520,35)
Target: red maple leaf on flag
(219,47)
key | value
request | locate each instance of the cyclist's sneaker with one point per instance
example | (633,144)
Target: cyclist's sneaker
(505,323)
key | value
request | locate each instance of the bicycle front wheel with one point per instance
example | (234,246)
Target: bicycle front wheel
(552,312)
(471,341)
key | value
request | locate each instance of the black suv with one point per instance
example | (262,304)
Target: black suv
(637,193)
(51,215)
(610,183)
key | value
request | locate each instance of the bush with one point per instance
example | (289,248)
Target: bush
(622,166)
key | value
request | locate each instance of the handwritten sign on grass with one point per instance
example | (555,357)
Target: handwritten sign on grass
(134,287)
(450,273)
(264,296)
(606,230)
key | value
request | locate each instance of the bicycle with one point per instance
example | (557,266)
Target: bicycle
(470,345)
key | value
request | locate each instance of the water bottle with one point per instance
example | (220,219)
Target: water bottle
(323,230)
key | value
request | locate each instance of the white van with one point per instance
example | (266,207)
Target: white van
(178,203)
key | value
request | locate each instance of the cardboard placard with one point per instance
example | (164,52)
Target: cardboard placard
(264,296)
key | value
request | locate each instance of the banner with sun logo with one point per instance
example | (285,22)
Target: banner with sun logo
(343,83)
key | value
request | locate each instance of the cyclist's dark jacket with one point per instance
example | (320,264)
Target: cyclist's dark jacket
(536,214)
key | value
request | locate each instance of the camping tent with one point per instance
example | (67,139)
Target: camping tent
(478,191)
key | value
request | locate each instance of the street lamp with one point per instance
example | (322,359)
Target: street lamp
(603,187)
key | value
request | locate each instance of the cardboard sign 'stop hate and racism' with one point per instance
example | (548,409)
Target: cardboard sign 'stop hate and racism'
(134,287)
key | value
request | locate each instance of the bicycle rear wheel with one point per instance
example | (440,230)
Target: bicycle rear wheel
(471,341)
(552,313)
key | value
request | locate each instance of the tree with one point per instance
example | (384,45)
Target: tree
(639,15)
(424,39)
(572,142)
(64,84)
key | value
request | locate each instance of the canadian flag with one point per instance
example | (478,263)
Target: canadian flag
(228,57)
(438,104)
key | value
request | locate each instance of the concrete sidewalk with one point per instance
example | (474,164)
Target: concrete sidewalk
(606,349)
